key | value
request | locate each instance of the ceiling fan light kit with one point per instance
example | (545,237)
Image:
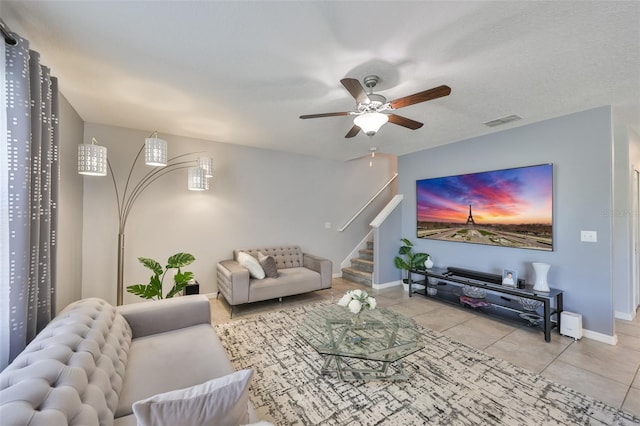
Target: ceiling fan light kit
(370,122)
(370,106)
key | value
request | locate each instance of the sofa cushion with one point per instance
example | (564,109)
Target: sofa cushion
(221,401)
(172,360)
(252,264)
(268,263)
(290,281)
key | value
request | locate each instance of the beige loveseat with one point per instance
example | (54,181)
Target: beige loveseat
(297,272)
(94,361)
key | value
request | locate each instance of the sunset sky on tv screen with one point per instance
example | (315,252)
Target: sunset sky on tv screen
(511,196)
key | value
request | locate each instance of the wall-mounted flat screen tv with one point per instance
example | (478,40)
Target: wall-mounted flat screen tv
(508,208)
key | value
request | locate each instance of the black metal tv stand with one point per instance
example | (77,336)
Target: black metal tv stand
(450,282)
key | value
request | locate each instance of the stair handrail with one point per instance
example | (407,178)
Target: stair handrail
(368,202)
(386,211)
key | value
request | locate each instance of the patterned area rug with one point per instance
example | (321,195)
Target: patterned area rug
(450,384)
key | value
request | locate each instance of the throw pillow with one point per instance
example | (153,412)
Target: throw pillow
(221,401)
(269,265)
(252,264)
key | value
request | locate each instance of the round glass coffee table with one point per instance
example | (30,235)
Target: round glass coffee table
(372,350)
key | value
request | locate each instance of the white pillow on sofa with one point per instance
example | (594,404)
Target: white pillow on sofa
(252,264)
(221,401)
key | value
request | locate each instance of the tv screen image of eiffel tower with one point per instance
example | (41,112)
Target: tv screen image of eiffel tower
(508,208)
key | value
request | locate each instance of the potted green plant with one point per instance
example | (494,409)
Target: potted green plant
(153,290)
(411,260)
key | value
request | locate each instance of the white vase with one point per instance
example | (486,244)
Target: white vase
(428,263)
(541,269)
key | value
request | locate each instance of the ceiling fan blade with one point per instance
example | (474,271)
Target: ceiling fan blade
(427,95)
(354,87)
(326,114)
(354,131)
(404,122)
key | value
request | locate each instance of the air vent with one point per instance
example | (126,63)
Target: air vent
(503,120)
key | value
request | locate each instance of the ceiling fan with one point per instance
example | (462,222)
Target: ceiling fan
(370,106)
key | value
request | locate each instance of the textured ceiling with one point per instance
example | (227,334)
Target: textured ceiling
(242,72)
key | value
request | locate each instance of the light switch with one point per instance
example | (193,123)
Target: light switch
(589,236)
(327,225)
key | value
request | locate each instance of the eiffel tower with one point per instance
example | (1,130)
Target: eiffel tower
(470,220)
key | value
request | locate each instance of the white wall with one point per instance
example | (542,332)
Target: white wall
(580,147)
(258,198)
(69,265)
(626,159)
(634,158)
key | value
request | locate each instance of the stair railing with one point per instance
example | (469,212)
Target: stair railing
(367,203)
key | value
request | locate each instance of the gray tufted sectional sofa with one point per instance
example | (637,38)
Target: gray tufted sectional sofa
(93,361)
(298,273)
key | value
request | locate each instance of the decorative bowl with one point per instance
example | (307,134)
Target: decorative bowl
(529,304)
(474,292)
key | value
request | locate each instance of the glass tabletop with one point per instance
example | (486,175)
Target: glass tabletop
(384,335)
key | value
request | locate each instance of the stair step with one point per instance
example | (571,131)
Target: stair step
(354,275)
(366,254)
(370,245)
(365,265)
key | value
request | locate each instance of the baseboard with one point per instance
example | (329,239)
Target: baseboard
(604,338)
(338,275)
(625,316)
(386,285)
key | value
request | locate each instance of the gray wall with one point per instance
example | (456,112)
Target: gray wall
(580,147)
(386,248)
(258,198)
(69,266)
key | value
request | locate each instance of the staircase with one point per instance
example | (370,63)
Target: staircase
(361,269)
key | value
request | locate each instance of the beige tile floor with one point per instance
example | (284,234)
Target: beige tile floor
(608,373)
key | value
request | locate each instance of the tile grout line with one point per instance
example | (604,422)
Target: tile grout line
(626,395)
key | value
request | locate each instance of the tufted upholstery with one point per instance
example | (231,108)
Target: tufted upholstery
(286,257)
(72,372)
(298,273)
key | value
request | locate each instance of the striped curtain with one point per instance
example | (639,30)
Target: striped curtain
(28,207)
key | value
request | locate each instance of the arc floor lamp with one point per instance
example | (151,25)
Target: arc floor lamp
(93,161)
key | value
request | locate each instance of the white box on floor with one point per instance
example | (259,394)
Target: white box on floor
(571,324)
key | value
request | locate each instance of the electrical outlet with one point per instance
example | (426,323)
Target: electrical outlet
(589,236)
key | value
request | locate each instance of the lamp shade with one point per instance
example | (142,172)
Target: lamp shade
(206,164)
(370,122)
(197,179)
(92,159)
(155,152)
